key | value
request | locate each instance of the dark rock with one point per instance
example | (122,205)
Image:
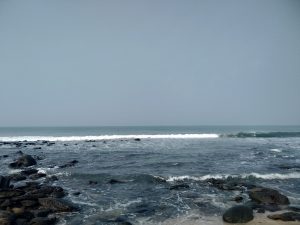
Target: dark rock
(287,216)
(23,161)
(137,139)
(37,176)
(268,196)
(5,156)
(57,205)
(29,172)
(294,208)
(10,193)
(238,214)
(69,164)
(261,210)
(76,193)
(21,221)
(37,148)
(6,218)
(29,203)
(114,181)
(4,182)
(17,177)
(41,212)
(238,198)
(42,221)
(91,182)
(179,186)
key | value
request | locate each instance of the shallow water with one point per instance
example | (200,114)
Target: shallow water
(147,167)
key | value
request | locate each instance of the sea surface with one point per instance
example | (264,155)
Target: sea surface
(127,173)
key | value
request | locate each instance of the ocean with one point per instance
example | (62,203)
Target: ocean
(151,175)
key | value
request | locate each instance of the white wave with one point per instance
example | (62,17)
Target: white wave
(275,150)
(270,176)
(107,137)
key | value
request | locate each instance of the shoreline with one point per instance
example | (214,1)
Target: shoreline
(195,219)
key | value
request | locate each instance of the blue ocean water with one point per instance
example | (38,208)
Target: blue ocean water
(147,161)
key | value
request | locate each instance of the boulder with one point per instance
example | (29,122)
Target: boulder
(268,196)
(238,214)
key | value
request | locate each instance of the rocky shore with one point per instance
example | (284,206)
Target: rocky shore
(26,199)
(262,200)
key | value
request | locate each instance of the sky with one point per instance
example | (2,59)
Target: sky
(171,62)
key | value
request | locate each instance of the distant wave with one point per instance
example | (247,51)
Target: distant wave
(107,137)
(269,176)
(263,135)
(152,136)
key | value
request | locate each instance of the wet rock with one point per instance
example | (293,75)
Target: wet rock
(29,172)
(57,205)
(37,176)
(17,177)
(179,186)
(238,198)
(4,182)
(268,196)
(287,216)
(23,161)
(137,139)
(42,221)
(238,214)
(69,164)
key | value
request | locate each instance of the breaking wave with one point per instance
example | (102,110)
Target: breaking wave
(263,135)
(270,176)
(107,137)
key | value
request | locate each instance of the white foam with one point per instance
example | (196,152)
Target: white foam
(270,176)
(275,150)
(107,137)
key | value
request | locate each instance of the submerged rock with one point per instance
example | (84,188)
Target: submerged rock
(238,214)
(179,186)
(69,164)
(268,196)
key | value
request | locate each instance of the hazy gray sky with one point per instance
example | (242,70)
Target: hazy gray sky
(71,62)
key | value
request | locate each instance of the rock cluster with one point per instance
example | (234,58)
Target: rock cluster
(30,203)
(261,199)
